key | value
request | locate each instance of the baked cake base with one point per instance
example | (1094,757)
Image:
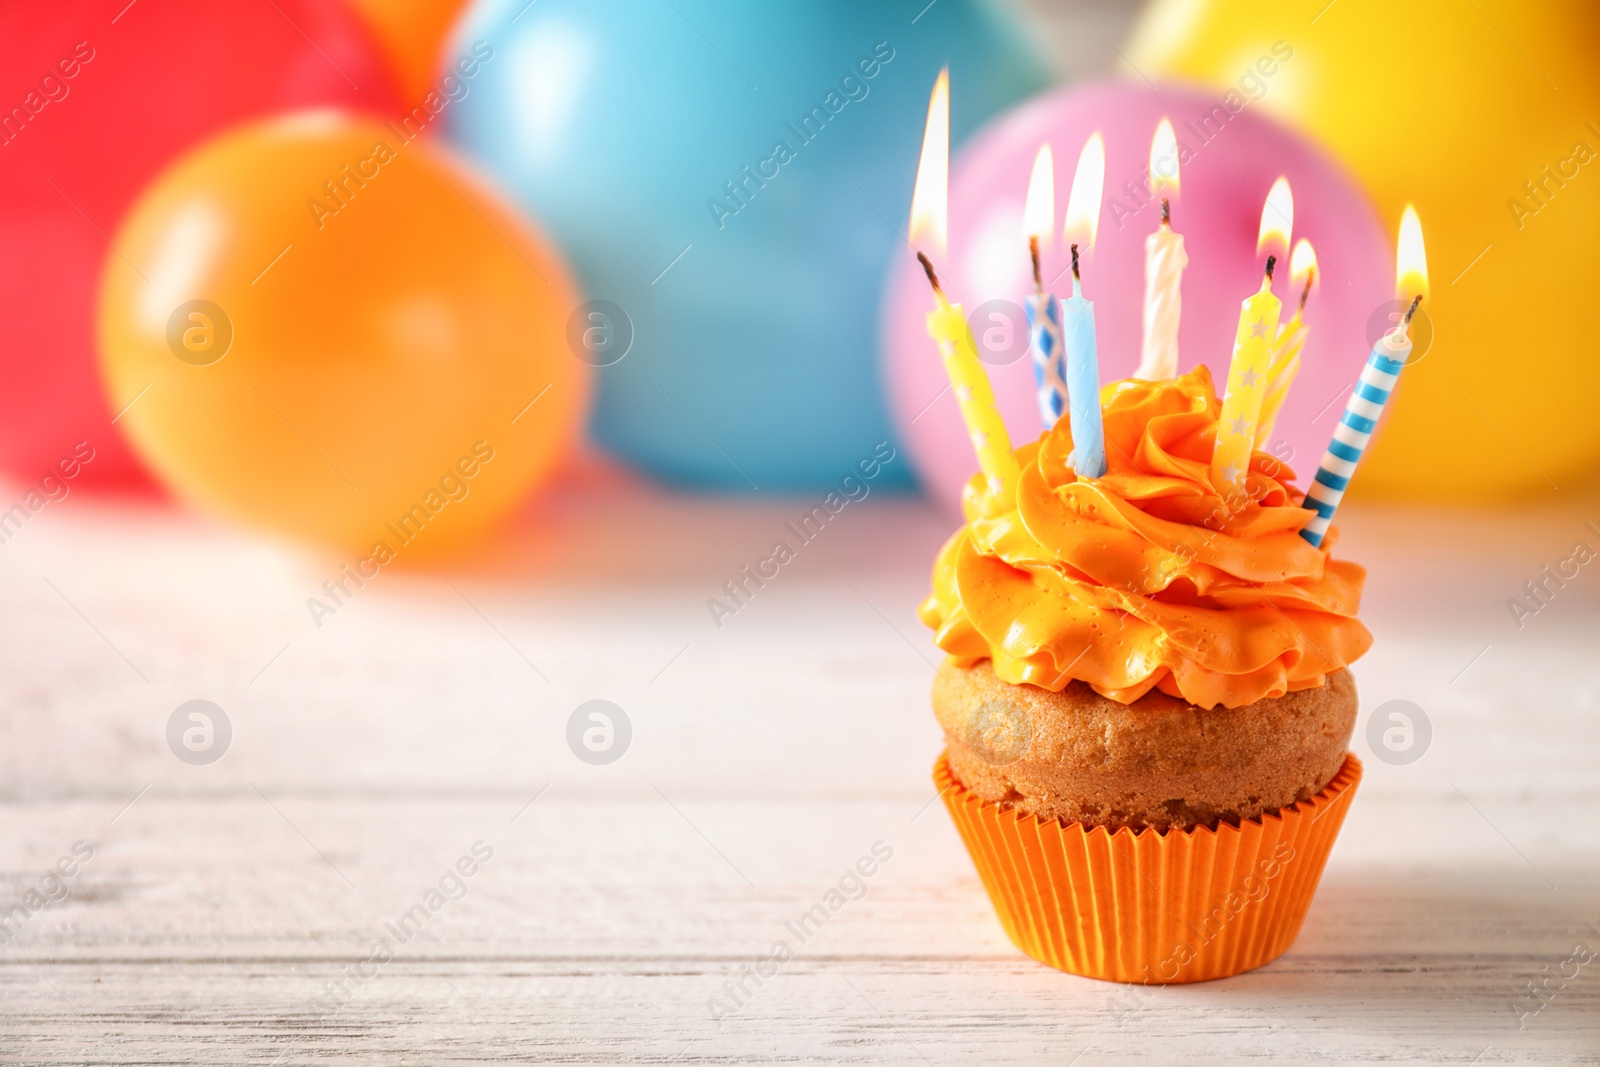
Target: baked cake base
(1158,763)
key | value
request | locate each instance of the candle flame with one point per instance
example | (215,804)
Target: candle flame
(931,196)
(1039,210)
(1083,203)
(1411,258)
(1164,161)
(1303,264)
(1277,220)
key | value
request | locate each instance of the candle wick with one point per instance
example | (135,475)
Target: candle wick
(1272,262)
(1166,212)
(1075,276)
(1412,310)
(1033,253)
(927,267)
(1311,276)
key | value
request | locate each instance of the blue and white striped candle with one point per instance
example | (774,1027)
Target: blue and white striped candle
(1044,333)
(1355,428)
(1372,391)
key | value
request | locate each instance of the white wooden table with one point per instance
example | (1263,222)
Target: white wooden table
(222,902)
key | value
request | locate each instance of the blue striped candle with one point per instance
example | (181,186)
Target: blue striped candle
(1044,333)
(1355,428)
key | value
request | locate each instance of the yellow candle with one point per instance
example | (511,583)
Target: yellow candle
(1291,341)
(948,328)
(1247,384)
(1284,365)
(947,325)
(1250,371)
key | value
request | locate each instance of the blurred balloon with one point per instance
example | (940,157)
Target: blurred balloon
(326,331)
(412,33)
(97,96)
(1454,108)
(649,136)
(1228,165)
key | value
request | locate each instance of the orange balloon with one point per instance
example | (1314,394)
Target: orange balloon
(322,330)
(411,33)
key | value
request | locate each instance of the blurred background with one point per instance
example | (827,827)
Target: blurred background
(366,275)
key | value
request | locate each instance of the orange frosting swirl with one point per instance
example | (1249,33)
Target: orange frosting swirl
(1148,577)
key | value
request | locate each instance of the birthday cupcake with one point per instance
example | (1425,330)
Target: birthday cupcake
(1146,703)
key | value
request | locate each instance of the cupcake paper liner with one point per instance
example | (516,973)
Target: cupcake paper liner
(1145,906)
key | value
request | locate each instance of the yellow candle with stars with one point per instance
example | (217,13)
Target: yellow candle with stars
(947,324)
(1249,373)
(1290,343)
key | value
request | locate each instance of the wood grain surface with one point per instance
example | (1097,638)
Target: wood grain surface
(300,899)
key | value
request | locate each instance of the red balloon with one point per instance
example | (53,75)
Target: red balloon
(96,98)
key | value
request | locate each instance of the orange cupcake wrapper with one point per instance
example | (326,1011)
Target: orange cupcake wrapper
(1145,906)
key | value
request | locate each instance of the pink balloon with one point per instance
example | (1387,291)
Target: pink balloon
(1227,172)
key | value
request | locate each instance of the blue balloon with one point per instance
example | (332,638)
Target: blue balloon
(735,179)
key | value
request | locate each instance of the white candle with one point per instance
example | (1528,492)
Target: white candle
(1164,260)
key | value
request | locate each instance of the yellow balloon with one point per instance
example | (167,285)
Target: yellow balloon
(1486,116)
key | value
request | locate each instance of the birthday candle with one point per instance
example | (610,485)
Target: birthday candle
(1044,320)
(1077,316)
(1164,260)
(1372,391)
(947,324)
(1247,374)
(1291,341)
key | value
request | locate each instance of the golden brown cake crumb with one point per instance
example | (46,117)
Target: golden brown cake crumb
(1159,762)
